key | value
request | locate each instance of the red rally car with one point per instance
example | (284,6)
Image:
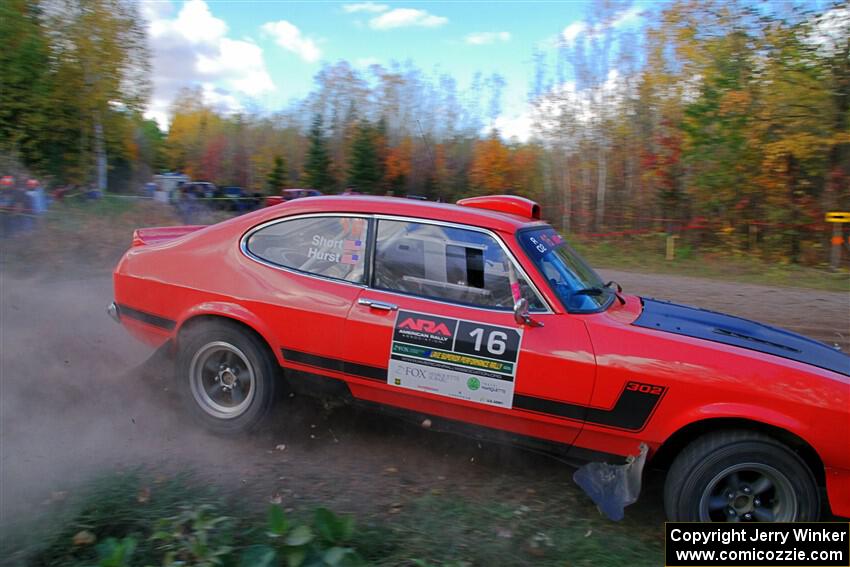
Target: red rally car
(480,314)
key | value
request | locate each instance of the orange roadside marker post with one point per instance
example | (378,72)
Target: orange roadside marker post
(837,219)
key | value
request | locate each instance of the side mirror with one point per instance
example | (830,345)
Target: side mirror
(521,315)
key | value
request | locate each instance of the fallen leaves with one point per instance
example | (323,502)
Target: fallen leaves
(144,495)
(83,538)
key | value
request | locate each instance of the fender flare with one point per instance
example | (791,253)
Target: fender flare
(771,421)
(235,312)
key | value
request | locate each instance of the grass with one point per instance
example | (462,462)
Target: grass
(78,236)
(647,254)
(136,512)
(451,530)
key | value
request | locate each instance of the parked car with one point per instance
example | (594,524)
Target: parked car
(481,314)
(236,199)
(290,194)
(200,189)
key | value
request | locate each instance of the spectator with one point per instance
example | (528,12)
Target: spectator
(38,200)
(22,216)
(7,198)
(14,204)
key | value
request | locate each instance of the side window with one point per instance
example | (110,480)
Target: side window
(449,264)
(333,247)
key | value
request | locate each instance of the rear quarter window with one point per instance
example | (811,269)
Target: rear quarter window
(331,247)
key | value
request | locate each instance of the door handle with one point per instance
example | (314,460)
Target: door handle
(377,304)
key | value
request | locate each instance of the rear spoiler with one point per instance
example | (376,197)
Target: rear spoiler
(160,234)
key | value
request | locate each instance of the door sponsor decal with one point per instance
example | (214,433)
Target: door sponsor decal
(450,357)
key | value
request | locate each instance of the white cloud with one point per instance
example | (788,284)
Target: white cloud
(192,48)
(484,38)
(406,17)
(290,38)
(371,7)
(621,19)
(627,16)
(572,31)
(152,11)
(562,113)
(219,98)
(241,62)
(194,24)
(517,126)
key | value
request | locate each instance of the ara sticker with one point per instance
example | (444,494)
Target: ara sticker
(450,357)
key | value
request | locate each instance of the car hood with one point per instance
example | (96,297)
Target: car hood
(730,330)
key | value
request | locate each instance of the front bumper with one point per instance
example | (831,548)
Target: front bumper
(838,491)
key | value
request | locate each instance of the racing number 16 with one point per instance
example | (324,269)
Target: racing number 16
(496,340)
(492,341)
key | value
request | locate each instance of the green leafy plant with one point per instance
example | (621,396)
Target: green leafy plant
(116,552)
(321,543)
(195,536)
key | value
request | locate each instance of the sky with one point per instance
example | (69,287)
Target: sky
(264,54)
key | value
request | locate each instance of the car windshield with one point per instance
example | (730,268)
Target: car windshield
(578,287)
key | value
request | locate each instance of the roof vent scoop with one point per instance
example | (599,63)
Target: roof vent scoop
(510,204)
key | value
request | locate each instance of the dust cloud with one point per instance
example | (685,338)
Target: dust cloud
(78,395)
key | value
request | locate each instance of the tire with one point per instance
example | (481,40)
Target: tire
(226,377)
(738,476)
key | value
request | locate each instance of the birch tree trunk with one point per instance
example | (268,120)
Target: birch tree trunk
(602,179)
(567,210)
(100,153)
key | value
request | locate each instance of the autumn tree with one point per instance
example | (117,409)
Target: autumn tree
(26,82)
(74,85)
(101,50)
(398,164)
(490,172)
(194,126)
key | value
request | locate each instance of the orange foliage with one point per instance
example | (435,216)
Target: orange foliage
(397,162)
(490,172)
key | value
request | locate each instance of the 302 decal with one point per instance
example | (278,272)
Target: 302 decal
(644,388)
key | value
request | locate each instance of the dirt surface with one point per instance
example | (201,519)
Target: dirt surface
(79,396)
(822,315)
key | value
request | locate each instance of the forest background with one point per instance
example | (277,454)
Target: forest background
(724,123)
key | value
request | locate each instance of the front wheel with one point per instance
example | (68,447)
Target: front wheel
(226,377)
(740,476)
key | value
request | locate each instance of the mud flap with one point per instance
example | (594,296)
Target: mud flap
(613,487)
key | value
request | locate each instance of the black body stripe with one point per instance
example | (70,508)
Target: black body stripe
(335,364)
(149,318)
(631,412)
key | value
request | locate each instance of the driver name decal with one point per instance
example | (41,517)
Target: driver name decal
(455,358)
(344,251)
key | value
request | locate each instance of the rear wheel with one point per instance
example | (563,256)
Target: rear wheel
(740,476)
(226,377)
